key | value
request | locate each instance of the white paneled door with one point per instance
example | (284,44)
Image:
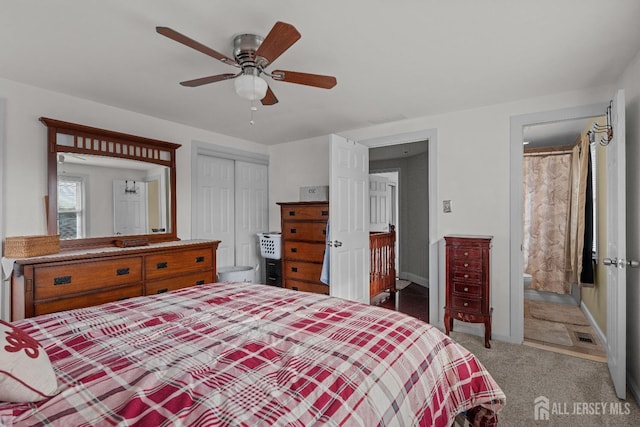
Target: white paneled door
(232,207)
(251,210)
(379,203)
(130,207)
(215,205)
(349,220)
(616,248)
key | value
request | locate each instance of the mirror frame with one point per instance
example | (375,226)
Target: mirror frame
(90,140)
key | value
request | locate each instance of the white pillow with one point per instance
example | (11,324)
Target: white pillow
(26,374)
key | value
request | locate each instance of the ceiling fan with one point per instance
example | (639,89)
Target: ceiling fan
(252,55)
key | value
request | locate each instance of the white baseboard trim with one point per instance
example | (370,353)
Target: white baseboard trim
(594,324)
(423,281)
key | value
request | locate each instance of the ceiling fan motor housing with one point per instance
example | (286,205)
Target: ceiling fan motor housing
(244,49)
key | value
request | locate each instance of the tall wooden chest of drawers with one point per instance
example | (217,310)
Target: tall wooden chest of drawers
(304,233)
(467,279)
(66,281)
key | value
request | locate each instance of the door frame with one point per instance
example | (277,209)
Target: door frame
(431,135)
(517,125)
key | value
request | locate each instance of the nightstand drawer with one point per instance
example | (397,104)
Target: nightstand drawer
(305,212)
(59,280)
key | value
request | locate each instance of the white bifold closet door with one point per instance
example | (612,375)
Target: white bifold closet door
(231,206)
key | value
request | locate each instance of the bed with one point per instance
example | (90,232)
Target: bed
(249,355)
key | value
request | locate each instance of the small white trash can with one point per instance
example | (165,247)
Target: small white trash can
(242,273)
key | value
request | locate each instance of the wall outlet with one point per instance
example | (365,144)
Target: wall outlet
(446,206)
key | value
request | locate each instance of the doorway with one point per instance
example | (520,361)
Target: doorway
(431,252)
(560,236)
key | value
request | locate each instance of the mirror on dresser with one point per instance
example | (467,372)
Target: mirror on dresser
(106,187)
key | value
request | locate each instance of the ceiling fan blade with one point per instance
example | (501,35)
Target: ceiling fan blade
(206,80)
(317,80)
(281,37)
(269,98)
(181,38)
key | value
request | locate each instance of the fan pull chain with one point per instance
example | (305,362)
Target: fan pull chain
(252,109)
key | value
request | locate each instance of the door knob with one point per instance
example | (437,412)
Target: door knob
(335,243)
(620,263)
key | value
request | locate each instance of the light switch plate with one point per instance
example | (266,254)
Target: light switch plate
(446,206)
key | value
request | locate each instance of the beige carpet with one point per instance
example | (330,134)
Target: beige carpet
(561,313)
(548,332)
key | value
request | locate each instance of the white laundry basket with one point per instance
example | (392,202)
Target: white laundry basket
(242,273)
(270,245)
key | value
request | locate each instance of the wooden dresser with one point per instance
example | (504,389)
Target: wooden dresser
(304,233)
(467,278)
(66,281)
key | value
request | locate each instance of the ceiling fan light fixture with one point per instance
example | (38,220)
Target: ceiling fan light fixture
(250,87)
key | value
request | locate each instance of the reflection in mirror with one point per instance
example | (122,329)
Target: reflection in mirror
(108,188)
(102,196)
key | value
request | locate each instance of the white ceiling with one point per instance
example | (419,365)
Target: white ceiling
(393,60)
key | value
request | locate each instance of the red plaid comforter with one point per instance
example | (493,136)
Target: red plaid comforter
(251,355)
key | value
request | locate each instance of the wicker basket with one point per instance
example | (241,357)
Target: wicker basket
(31,246)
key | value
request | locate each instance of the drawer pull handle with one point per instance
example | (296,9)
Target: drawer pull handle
(466,254)
(62,280)
(162,291)
(200,282)
(200,259)
(122,271)
(325,213)
(466,304)
(324,232)
(292,213)
(162,265)
(273,279)
(466,276)
(294,250)
(122,299)
(293,231)
(294,269)
(466,289)
(466,265)
(295,288)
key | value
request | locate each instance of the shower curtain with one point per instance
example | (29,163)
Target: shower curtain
(554,207)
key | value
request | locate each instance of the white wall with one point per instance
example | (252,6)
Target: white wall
(294,165)
(473,159)
(25,150)
(630,82)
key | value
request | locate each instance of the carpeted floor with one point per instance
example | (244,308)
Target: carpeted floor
(575,387)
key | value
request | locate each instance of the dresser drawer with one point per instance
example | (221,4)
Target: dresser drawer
(303,270)
(320,212)
(304,251)
(467,276)
(167,285)
(87,300)
(58,280)
(314,231)
(176,262)
(466,304)
(467,263)
(466,253)
(467,289)
(317,288)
